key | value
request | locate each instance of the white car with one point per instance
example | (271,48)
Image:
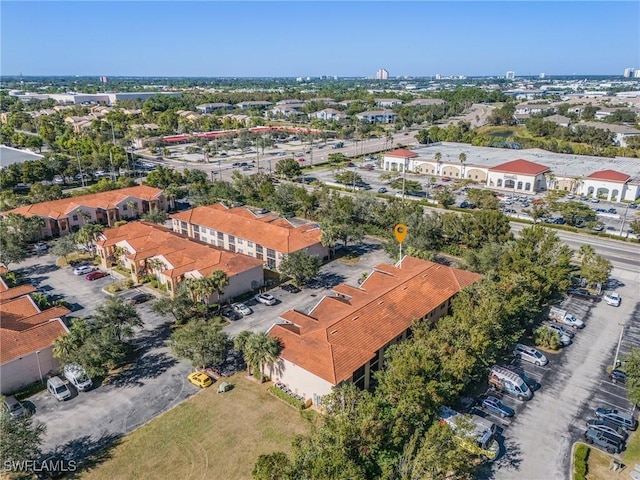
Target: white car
(572,321)
(613,299)
(83,270)
(266,298)
(242,309)
(41,247)
(530,354)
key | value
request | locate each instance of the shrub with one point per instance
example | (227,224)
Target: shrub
(30,390)
(580,456)
(276,392)
(129,283)
(154,283)
(545,337)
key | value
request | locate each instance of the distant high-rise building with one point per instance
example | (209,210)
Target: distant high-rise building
(438,76)
(382,74)
(104,79)
(629,72)
(636,74)
(542,75)
(511,75)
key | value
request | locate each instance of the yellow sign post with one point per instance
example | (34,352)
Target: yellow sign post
(400,231)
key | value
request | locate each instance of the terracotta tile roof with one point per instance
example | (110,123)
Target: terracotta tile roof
(14,292)
(24,329)
(401,153)
(269,231)
(340,335)
(610,175)
(524,167)
(62,207)
(181,253)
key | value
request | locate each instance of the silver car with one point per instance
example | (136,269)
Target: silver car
(530,354)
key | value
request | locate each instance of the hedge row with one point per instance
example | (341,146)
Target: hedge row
(293,401)
(580,456)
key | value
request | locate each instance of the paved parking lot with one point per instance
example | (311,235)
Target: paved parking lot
(537,441)
(154,383)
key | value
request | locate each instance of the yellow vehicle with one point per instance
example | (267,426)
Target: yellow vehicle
(200,379)
(475,434)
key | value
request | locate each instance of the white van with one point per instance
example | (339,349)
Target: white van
(77,376)
(506,381)
(58,389)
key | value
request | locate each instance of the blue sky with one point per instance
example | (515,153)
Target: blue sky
(318,38)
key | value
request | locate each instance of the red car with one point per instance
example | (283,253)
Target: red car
(446,179)
(96,274)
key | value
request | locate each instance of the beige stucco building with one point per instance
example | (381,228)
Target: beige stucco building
(264,236)
(344,337)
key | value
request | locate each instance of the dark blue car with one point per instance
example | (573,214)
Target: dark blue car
(496,406)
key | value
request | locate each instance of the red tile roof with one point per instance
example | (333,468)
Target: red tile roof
(340,335)
(183,254)
(610,175)
(524,167)
(62,207)
(24,329)
(401,153)
(269,231)
(14,292)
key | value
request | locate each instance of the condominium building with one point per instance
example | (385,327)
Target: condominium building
(148,249)
(382,74)
(264,236)
(344,336)
(68,214)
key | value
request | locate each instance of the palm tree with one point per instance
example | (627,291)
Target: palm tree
(463,160)
(240,343)
(438,157)
(262,349)
(133,207)
(218,280)
(88,233)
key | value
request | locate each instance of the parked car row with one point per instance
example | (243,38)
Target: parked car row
(609,429)
(75,375)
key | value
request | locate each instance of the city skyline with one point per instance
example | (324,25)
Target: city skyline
(271,39)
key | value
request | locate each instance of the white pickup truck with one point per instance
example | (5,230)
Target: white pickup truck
(561,316)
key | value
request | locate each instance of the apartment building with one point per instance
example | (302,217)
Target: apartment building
(344,337)
(264,236)
(150,249)
(68,214)
(27,335)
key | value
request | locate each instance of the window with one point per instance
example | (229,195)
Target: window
(232,239)
(239,241)
(359,373)
(240,250)
(519,186)
(232,247)
(75,218)
(259,249)
(212,232)
(124,208)
(196,236)
(183,225)
(271,253)
(249,244)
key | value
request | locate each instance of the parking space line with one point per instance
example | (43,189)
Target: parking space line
(614,406)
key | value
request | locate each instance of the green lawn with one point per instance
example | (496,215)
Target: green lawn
(209,436)
(631,455)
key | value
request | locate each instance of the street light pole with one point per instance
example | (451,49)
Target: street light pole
(615,361)
(624,218)
(39,368)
